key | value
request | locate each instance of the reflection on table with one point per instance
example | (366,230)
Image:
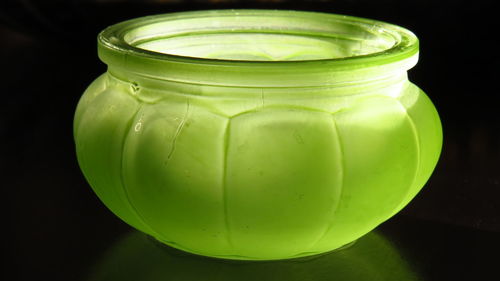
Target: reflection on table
(139,257)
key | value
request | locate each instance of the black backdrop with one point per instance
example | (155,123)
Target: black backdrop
(48,57)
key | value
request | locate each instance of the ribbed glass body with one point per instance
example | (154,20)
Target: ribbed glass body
(253,134)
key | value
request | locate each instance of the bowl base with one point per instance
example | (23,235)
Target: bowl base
(172,250)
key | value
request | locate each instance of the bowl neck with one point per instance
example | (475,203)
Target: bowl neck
(150,89)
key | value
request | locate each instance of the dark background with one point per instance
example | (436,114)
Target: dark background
(56,227)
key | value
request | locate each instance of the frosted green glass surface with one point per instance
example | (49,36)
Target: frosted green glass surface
(256,134)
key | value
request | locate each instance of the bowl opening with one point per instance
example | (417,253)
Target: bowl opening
(260,37)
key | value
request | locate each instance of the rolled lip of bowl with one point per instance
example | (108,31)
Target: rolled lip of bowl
(115,50)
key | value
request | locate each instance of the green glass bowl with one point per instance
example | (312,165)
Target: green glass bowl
(256,134)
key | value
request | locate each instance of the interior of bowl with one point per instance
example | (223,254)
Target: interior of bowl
(264,36)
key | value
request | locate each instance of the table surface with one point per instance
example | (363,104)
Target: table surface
(402,248)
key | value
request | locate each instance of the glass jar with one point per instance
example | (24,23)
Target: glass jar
(256,134)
